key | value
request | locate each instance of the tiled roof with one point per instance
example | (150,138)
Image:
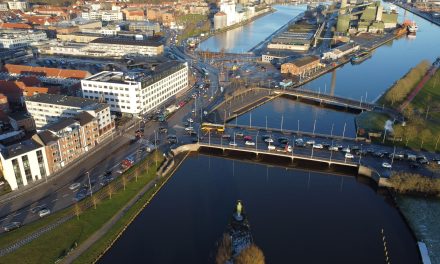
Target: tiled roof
(15,25)
(44,71)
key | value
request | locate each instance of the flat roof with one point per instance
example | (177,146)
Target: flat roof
(72,101)
(304,60)
(127,41)
(19,148)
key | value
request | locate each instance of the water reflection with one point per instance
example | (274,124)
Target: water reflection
(244,38)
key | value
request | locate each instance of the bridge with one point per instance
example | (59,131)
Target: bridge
(292,156)
(243,101)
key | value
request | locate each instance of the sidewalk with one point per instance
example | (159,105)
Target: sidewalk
(419,87)
(83,247)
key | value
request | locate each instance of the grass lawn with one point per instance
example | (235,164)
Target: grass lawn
(372,121)
(53,244)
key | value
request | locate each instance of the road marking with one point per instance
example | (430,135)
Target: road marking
(65,195)
(17,214)
(1,220)
(54,200)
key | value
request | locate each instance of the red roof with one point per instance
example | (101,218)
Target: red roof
(14,90)
(15,25)
(44,71)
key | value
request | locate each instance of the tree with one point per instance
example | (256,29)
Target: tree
(424,136)
(224,250)
(250,255)
(397,132)
(95,200)
(110,189)
(124,181)
(77,210)
(408,112)
(409,132)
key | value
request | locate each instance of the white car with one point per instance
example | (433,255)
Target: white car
(190,120)
(318,146)
(346,150)
(232,144)
(289,148)
(189,128)
(310,142)
(349,156)
(386,165)
(333,148)
(268,140)
(249,143)
(43,212)
(74,186)
(271,147)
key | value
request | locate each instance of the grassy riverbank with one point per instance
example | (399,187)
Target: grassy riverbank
(56,243)
(371,122)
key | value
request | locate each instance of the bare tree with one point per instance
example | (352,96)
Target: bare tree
(124,181)
(95,200)
(250,255)
(424,136)
(77,210)
(224,251)
(110,189)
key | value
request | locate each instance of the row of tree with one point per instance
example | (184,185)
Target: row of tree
(400,90)
(405,182)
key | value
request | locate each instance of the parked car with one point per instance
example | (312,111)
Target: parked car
(349,155)
(333,148)
(249,143)
(239,134)
(310,142)
(346,150)
(318,146)
(247,138)
(43,212)
(386,165)
(11,226)
(268,140)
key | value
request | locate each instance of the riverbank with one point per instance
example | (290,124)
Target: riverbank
(81,221)
(418,13)
(243,23)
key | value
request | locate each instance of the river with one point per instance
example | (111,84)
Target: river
(244,38)
(296,216)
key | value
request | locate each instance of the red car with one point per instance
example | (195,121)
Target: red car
(247,138)
(181,104)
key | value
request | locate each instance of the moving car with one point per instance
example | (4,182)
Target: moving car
(271,147)
(232,144)
(386,165)
(11,226)
(74,186)
(44,212)
(318,146)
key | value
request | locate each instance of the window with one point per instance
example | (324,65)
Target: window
(17,172)
(27,168)
(41,163)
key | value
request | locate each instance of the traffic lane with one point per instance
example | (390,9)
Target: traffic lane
(46,194)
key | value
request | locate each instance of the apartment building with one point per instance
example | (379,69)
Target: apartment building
(23,163)
(68,139)
(137,93)
(103,15)
(49,108)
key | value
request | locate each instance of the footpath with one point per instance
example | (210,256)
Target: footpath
(419,87)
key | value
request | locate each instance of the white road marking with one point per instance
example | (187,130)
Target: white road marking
(65,195)
(54,200)
(17,214)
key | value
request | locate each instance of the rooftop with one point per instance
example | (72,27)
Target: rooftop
(125,41)
(45,71)
(72,101)
(61,124)
(305,60)
(19,148)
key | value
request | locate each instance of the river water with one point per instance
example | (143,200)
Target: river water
(244,38)
(296,216)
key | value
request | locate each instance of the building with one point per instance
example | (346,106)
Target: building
(49,108)
(137,93)
(340,51)
(301,66)
(220,20)
(13,39)
(134,14)
(21,5)
(23,163)
(64,77)
(144,26)
(16,90)
(118,47)
(68,139)
(103,15)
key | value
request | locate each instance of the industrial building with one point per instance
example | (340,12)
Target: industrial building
(301,66)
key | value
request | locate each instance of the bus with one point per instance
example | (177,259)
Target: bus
(209,126)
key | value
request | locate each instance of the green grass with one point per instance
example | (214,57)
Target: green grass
(191,18)
(50,246)
(371,121)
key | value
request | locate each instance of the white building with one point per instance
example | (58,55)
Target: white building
(23,163)
(18,5)
(340,51)
(48,108)
(137,94)
(118,47)
(13,39)
(103,15)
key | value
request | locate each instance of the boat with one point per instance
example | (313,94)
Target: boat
(412,28)
(360,57)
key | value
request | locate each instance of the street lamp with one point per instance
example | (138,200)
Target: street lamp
(90,185)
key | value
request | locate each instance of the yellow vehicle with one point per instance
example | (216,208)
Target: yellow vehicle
(210,127)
